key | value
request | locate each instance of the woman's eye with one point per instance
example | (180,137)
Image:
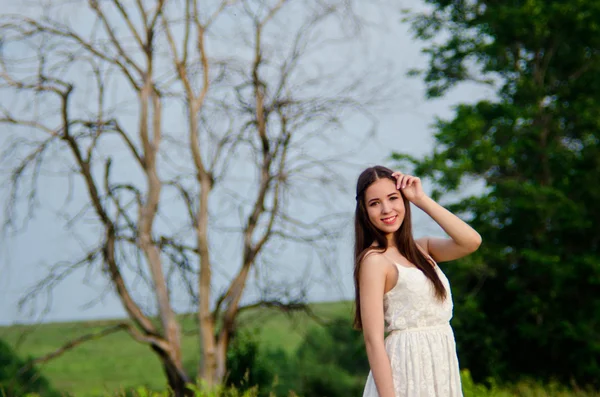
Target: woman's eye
(394,198)
(373,204)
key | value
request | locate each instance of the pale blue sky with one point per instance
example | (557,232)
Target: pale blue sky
(403,126)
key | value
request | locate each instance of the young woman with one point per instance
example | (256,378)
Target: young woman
(400,288)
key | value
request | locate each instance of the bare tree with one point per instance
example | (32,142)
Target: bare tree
(163,110)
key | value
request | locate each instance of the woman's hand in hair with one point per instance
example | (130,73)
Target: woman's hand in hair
(410,186)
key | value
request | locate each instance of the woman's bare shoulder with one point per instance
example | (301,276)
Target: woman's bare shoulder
(375,262)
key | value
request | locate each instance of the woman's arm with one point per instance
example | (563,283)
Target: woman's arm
(463,238)
(372,286)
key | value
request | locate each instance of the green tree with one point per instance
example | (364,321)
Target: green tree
(527,302)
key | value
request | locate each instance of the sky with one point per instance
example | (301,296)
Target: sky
(404,124)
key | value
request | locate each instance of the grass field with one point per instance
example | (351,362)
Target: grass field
(116,362)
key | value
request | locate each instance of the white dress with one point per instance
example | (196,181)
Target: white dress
(420,343)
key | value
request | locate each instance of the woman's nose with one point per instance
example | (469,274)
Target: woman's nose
(386,207)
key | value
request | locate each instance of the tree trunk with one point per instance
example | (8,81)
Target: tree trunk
(176,377)
(207,368)
(221,356)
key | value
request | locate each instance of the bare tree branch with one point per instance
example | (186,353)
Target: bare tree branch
(129,22)
(95,336)
(181,146)
(95,5)
(20,25)
(287,308)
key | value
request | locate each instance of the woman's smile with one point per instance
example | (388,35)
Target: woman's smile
(390,220)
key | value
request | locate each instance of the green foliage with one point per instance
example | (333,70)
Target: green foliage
(18,379)
(526,301)
(251,366)
(332,361)
(525,388)
(244,362)
(470,389)
(198,390)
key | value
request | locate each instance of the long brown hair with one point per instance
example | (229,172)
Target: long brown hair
(366,234)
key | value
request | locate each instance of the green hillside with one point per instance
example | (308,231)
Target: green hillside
(117,362)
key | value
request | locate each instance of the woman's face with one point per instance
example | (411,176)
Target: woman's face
(385,206)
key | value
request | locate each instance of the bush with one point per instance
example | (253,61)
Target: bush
(17,380)
(244,364)
(198,390)
(525,388)
(325,386)
(251,366)
(332,361)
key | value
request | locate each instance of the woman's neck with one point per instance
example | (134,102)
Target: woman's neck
(390,240)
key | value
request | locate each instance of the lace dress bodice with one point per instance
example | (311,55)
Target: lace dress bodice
(412,303)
